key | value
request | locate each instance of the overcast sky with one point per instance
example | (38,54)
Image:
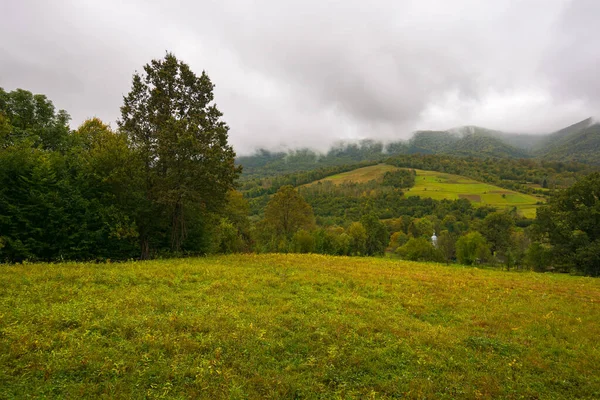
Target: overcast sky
(310,72)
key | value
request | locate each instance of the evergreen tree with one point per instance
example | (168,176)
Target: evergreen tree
(188,166)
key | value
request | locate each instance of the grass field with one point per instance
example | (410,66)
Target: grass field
(439,186)
(295,326)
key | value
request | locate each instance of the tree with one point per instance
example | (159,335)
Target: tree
(570,226)
(498,228)
(537,257)
(236,211)
(377,235)
(287,212)
(471,248)
(33,118)
(176,130)
(396,240)
(303,242)
(421,227)
(358,238)
(446,244)
(419,249)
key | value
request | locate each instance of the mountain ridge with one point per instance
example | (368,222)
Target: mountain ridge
(579,142)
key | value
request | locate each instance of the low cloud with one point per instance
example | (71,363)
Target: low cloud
(309,73)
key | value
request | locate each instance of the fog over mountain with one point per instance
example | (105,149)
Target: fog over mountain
(309,73)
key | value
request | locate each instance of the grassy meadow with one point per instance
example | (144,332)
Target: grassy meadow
(439,186)
(295,326)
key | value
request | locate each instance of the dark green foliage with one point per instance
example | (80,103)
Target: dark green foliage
(474,141)
(472,248)
(570,224)
(158,184)
(419,249)
(265,163)
(25,117)
(177,132)
(377,235)
(538,258)
(68,205)
(579,142)
(497,228)
(446,244)
(399,179)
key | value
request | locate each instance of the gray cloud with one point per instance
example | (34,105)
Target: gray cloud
(307,73)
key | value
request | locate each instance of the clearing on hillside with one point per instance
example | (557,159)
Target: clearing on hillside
(295,326)
(359,175)
(439,186)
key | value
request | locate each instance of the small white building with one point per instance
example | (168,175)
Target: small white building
(434,240)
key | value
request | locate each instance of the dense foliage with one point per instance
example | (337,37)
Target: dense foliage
(157,185)
(569,228)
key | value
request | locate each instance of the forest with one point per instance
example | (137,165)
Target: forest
(166,183)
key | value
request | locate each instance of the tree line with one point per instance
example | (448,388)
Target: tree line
(154,186)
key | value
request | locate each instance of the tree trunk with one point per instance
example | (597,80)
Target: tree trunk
(145,248)
(178,231)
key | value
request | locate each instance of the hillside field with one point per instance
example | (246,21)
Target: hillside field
(439,186)
(295,326)
(360,175)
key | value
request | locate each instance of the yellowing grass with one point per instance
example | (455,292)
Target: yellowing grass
(359,175)
(295,326)
(440,186)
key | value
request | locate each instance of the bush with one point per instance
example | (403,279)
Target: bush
(419,249)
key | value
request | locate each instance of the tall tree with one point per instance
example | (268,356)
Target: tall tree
(570,225)
(176,129)
(32,117)
(498,228)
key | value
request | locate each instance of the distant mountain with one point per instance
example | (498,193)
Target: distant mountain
(579,142)
(464,141)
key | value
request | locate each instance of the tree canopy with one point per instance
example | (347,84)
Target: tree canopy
(171,121)
(570,225)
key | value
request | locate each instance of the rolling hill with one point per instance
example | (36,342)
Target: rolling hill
(439,186)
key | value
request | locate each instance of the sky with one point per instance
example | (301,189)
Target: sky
(310,73)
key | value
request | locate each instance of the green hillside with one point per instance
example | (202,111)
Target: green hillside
(465,141)
(439,186)
(359,175)
(295,326)
(579,143)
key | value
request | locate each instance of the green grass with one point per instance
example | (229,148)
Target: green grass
(438,185)
(295,326)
